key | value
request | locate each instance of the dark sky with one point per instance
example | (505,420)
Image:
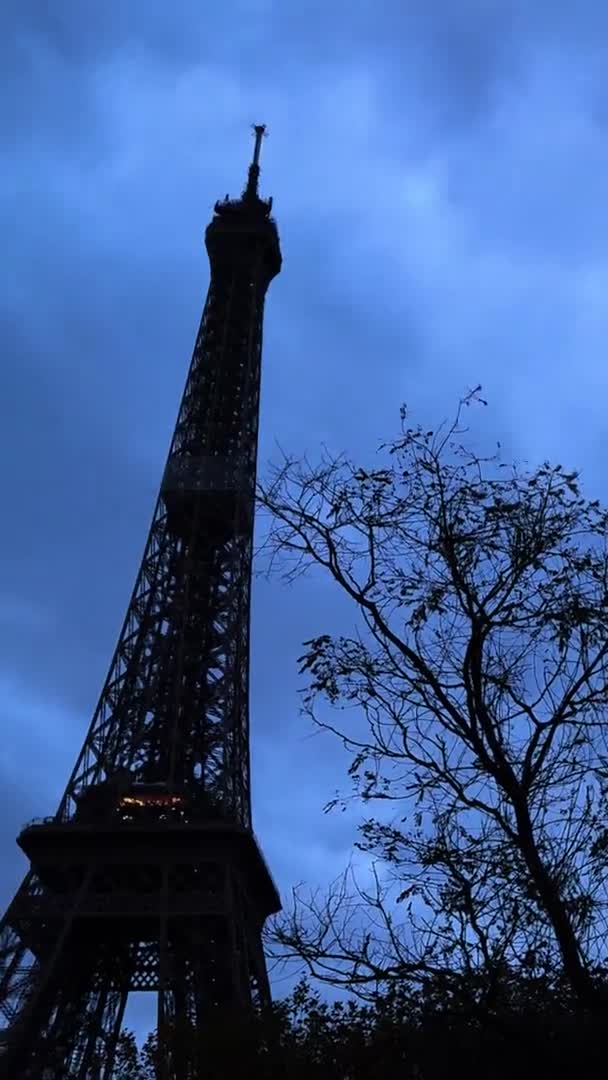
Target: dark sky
(439,176)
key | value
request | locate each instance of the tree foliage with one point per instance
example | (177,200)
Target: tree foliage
(421,1036)
(478,662)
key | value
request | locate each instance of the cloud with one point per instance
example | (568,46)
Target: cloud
(438,179)
(35,758)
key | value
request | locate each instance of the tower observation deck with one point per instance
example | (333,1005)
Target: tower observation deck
(149,876)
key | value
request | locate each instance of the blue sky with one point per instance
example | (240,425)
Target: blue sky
(438,172)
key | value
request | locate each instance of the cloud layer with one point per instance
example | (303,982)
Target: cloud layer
(438,175)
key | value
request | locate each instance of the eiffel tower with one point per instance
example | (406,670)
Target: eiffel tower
(149,876)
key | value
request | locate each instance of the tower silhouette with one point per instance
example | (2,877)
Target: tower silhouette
(149,876)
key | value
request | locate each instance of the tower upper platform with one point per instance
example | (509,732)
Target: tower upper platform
(242,229)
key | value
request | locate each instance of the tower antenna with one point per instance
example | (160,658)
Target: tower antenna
(260,133)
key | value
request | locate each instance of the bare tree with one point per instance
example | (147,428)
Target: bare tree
(479,664)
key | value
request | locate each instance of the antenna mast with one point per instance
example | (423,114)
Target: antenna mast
(251,190)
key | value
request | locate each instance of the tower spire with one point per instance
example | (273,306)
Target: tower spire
(251,189)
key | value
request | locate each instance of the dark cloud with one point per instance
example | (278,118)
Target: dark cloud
(450,64)
(82,32)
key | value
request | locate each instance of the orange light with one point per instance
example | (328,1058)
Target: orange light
(151,800)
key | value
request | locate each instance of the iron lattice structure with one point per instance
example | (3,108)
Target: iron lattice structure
(149,876)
